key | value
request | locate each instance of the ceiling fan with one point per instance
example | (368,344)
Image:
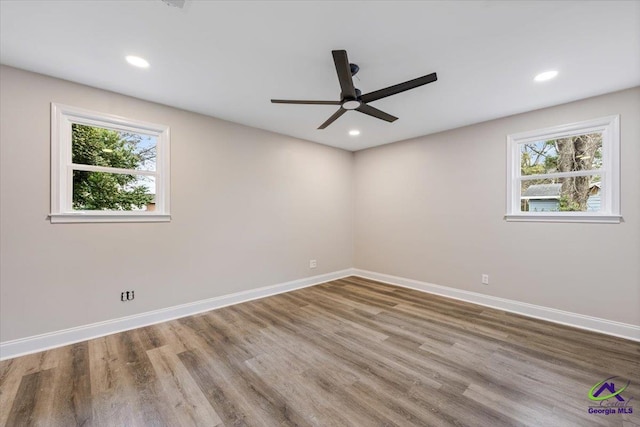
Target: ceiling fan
(352,99)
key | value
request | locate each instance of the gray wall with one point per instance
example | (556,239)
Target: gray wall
(431,209)
(249,207)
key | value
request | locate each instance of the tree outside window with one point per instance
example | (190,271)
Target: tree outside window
(106,168)
(109,148)
(571,154)
(566,173)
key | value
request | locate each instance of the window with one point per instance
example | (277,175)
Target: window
(106,168)
(568,173)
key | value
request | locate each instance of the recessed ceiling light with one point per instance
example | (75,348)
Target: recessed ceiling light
(354,132)
(136,61)
(547,75)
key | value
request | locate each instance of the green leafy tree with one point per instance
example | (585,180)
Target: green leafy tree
(101,190)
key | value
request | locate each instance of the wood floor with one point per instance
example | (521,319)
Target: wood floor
(351,352)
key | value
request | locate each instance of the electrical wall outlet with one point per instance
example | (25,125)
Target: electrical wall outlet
(485,279)
(313,263)
(127,296)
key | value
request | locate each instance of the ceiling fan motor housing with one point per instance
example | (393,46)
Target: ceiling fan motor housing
(351,99)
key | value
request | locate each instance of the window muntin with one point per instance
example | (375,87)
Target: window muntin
(107,168)
(565,173)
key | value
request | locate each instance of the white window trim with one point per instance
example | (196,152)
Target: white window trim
(62,117)
(610,172)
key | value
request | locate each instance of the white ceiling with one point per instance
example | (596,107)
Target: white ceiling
(228,59)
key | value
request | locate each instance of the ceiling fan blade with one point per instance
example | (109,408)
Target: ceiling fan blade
(401,87)
(344,73)
(295,101)
(374,112)
(333,118)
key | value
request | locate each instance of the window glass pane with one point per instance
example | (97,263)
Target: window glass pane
(112,191)
(574,194)
(575,153)
(105,147)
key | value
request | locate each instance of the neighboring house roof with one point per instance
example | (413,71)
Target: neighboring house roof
(542,191)
(552,191)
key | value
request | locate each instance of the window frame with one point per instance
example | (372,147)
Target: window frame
(62,167)
(609,173)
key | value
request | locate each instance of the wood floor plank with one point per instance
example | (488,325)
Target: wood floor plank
(32,400)
(181,394)
(71,403)
(300,394)
(351,352)
(11,373)
(221,398)
(175,336)
(397,407)
(111,389)
(144,387)
(150,337)
(237,400)
(328,295)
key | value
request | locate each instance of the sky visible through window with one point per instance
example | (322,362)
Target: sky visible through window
(146,148)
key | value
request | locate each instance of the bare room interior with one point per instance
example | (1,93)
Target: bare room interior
(319,213)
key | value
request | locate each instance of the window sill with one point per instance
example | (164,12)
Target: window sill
(108,217)
(554,217)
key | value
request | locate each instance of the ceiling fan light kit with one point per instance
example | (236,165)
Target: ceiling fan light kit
(352,99)
(351,104)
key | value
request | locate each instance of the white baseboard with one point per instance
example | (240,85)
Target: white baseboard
(33,344)
(609,327)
